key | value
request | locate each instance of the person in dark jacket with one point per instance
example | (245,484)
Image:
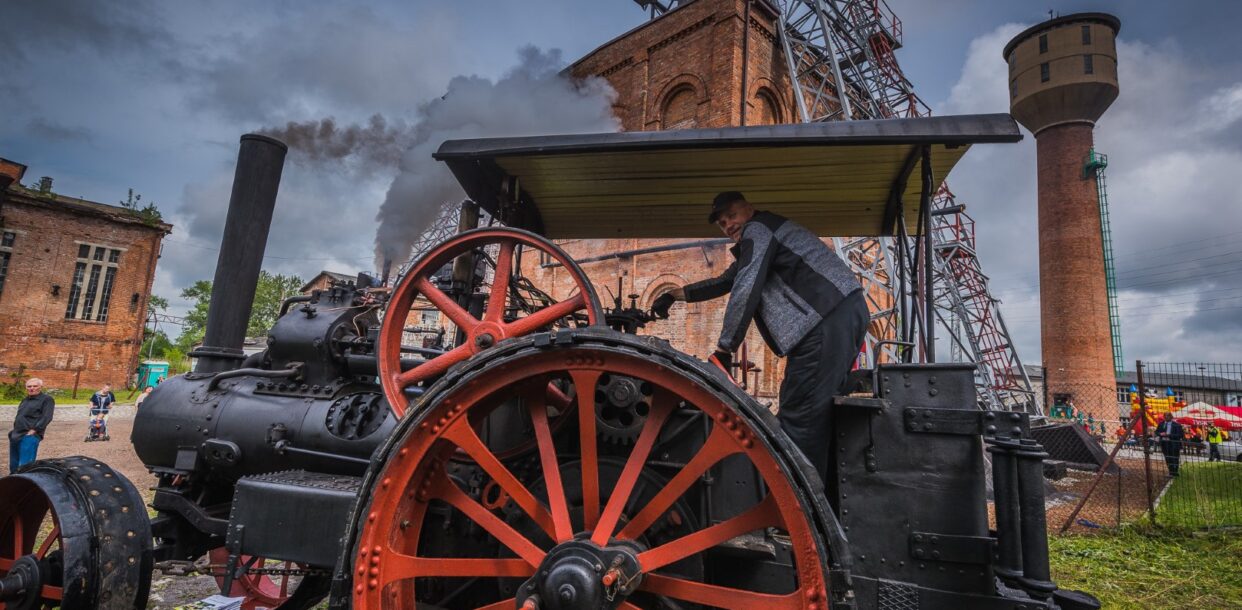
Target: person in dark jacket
(806,302)
(1171,435)
(33,415)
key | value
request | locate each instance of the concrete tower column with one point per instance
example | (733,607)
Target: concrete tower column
(1062,77)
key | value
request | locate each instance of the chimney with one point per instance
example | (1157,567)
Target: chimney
(45,184)
(260,161)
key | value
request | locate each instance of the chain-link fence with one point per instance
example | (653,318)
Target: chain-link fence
(1163,445)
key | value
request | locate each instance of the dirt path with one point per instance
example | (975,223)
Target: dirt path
(64,437)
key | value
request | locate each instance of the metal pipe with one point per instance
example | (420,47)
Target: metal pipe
(260,161)
(1036,576)
(1005,500)
(745,57)
(290,372)
(929,300)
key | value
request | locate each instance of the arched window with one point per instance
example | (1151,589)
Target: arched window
(680,109)
(767,110)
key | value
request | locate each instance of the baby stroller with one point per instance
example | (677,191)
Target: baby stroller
(98,426)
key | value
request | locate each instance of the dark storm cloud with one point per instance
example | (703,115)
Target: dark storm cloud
(333,57)
(62,26)
(41,127)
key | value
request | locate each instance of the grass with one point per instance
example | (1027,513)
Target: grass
(64,396)
(1142,567)
(1207,494)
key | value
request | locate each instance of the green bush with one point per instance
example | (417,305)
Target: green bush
(16,389)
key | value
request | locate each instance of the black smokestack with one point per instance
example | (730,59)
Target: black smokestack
(260,162)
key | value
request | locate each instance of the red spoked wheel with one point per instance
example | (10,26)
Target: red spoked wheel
(570,537)
(483,333)
(260,590)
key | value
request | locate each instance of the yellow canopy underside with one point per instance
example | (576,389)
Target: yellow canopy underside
(831,190)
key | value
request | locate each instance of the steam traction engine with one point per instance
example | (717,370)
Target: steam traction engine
(542,459)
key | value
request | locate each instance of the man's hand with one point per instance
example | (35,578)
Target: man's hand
(724,360)
(663,302)
(30,433)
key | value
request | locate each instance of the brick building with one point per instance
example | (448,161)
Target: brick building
(708,63)
(75,278)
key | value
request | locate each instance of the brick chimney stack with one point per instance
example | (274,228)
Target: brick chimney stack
(1062,77)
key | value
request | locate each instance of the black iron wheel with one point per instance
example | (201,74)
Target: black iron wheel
(86,529)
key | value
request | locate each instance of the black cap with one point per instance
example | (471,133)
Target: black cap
(721,202)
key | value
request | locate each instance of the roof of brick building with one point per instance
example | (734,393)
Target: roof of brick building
(22,195)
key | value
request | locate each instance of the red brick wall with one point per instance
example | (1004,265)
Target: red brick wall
(33,328)
(684,70)
(1076,338)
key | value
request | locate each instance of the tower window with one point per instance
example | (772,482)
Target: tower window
(1013,88)
(1043,72)
(1043,43)
(1088,66)
(1086,34)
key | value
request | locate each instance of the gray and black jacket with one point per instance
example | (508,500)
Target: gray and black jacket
(783,273)
(33,413)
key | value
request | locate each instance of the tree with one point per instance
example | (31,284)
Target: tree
(148,214)
(271,292)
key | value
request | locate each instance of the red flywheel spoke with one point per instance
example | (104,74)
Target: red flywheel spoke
(627,513)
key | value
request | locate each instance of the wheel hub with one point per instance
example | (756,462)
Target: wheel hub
(21,586)
(578,574)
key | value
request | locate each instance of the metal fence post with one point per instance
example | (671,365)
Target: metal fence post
(1142,397)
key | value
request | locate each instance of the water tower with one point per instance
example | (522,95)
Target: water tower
(1062,77)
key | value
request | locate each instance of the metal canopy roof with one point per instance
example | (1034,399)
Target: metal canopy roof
(836,178)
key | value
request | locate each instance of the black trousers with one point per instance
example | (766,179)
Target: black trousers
(817,369)
(1172,451)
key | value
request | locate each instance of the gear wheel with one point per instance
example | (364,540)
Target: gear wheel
(621,407)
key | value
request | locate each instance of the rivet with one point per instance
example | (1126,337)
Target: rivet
(375,571)
(374,583)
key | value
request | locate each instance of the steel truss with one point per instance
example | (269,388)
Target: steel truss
(847,46)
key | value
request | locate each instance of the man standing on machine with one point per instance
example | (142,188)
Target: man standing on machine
(808,306)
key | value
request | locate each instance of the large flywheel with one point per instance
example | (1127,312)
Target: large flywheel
(584,524)
(501,317)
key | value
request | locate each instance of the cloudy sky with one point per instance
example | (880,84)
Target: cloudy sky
(153,95)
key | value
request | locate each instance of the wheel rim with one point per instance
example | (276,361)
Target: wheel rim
(481,334)
(88,522)
(386,558)
(29,526)
(259,590)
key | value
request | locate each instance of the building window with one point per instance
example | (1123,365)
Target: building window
(94,276)
(1088,65)
(1086,34)
(6,252)
(1013,88)
(1043,72)
(1123,394)
(4,268)
(1043,43)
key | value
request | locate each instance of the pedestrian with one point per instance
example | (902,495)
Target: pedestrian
(33,415)
(806,302)
(1171,435)
(143,396)
(101,406)
(1214,438)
